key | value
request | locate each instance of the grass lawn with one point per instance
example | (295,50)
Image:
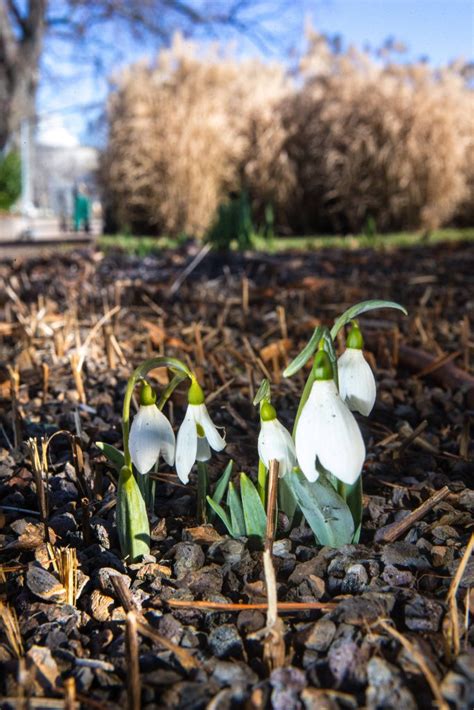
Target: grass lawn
(142,246)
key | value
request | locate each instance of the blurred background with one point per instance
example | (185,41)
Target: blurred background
(235,120)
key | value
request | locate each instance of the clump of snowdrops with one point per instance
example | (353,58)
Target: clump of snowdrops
(320,463)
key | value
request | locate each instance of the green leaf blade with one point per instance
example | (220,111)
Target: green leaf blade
(325,511)
(307,352)
(360,308)
(219,510)
(254,512)
(221,486)
(114,455)
(236,511)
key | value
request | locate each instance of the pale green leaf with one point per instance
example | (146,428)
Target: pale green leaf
(222,514)
(263,392)
(114,455)
(307,352)
(327,514)
(254,512)
(221,486)
(236,511)
(360,308)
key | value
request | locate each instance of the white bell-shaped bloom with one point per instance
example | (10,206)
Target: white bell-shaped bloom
(150,435)
(328,432)
(356,381)
(275,444)
(190,446)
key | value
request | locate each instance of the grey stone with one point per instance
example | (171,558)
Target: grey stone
(356,579)
(233,672)
(403,554)
(225,641)
(188,557)
(385,689)
(422,614)
(321,635)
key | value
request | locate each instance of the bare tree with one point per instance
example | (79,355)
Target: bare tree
(26,27)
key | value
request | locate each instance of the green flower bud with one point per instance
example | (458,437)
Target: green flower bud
(267,412)
(147,395)
(354,337)
(195,393)
(322,368)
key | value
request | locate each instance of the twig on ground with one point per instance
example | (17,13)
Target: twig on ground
(133,667)
(420,661)
(145,629)
(451,630)
(282,607)
(392,532)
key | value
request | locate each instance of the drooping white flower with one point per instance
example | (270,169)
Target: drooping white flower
(197,434)
(150,435)
(356,380)
(327,431)
(275,442)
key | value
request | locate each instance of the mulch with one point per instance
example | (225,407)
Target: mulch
(378,624)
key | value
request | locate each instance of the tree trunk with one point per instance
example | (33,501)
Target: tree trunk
(21,40)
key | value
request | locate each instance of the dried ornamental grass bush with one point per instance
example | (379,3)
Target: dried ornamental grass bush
(178,133)
(380,141)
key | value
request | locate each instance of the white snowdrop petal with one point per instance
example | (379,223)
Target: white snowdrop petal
(306,439)
(273,445)
(290,452)
(167,437)
(203,452)
(215,440)
(356,381)
(340,446)
(144,440)
(186,446)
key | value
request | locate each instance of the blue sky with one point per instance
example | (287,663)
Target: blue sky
(440,30)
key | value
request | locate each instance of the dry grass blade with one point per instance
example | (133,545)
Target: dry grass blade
(11,627)
(418,658)
(39,461)
(451,630)
(67,566)
(187,661)
(133,667)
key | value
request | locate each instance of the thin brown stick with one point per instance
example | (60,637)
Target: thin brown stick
(145,629)
(184,657)
(224,606)
(271,504)
(133,666)
(392,532)
(451,631)
(406,442)
(420,661)
(70,693)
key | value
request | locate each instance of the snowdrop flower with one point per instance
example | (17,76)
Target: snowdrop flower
(327,431)
(356,380)
(274,441)
(150,434)
(197,434)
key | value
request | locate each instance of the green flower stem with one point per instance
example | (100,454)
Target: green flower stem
(138,374)
(202,488)
(352,495)
(262,481)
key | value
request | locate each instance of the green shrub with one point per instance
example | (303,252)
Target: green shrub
(233,223)
(10,179)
